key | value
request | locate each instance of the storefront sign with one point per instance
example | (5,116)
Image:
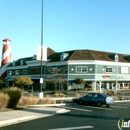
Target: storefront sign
(106,76)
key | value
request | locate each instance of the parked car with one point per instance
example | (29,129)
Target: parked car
(96,98)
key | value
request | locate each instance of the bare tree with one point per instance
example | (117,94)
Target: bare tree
(56,75)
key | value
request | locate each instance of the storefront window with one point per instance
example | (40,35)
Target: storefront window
(108,69)
(34,70)
(17,72)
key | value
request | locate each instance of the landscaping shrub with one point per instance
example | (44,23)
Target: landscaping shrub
(14,94)
(77,95)
(115,98)
(4,99)
(62,95)
(64,92)
(110,93)
(81,89)
(46,101)
(59,95)
(24,101)
(56,95)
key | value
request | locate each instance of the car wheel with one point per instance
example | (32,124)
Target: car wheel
(108,105)
(99,104)
(81,102)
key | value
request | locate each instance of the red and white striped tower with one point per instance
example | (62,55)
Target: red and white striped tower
(6,57)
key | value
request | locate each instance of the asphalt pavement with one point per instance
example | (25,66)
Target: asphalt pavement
(17,116)
(38,111)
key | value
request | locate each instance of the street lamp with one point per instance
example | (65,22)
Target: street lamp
(41,76)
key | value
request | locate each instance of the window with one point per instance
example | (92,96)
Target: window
(25,71)
(9,72)
(34,70)
(78,69)
(84,69)
(62,57)
(17,72)
(89,95)
(81,69)
(21,62)
(95,95)
(108,69)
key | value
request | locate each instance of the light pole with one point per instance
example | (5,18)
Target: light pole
(41,76)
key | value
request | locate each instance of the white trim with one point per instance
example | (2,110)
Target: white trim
(35,63)
(17,67)
(97,62)
(81,62)
(82,74)
(57,63)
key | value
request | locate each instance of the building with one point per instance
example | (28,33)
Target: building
(97,68)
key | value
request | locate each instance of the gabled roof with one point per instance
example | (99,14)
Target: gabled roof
(89,55)
(50,51)
(79,55)
(108,56)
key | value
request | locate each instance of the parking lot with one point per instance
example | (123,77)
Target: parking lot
(81,117)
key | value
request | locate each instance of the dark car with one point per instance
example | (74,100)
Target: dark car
(96,98)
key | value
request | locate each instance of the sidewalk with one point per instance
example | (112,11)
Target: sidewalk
(17,116)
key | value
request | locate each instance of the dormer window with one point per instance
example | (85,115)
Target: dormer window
(116,57)
(21,62)
(34,57)
(14,63)
(63,56)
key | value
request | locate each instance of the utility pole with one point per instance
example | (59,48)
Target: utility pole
(41,75)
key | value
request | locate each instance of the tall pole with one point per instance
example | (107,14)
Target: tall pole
(41,77)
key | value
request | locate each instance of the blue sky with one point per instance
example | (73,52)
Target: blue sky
(102,25)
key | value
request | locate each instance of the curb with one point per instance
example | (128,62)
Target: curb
(63,110)
(16,120)
(123,101)
(50,105)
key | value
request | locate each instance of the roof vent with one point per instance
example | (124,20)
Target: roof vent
(116,57)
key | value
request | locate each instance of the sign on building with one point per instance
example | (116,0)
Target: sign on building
(124,70)
(42,53)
